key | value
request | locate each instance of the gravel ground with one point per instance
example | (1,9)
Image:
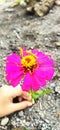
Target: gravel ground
(19,29)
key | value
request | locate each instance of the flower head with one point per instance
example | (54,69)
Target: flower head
(33,66)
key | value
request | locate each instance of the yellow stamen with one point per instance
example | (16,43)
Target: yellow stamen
(29,52)
(28,61)
(21,51)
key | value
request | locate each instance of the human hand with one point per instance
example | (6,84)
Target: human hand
(7,94)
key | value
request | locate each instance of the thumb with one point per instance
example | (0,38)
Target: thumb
(20,105)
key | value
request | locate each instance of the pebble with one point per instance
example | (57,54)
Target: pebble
(27,22)
(58,44)
(52,85)
(27,124)
(4,121)
(58,34)
(9,10)
(21,113)
(17,119)
(23,3)
(57,89)
(41,114)
(3,45)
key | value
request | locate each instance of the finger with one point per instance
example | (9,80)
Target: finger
(20,99)
(27,96)
(12,91)
(18,92)
(21,105)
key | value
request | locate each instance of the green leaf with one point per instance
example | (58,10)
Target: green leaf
(36,94)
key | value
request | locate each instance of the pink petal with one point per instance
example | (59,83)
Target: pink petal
(47,63)
(16,81)
(12,76)
(13,58)
(11,67)
(45,72)
(41,57)
(39,54)
(37,83)
(35,51)
(27,82)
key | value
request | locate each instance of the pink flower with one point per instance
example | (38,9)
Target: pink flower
(33,66)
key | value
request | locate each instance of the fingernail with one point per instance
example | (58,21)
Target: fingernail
(32,101)
(29,104)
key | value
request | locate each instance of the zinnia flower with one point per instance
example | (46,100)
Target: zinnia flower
(33,66)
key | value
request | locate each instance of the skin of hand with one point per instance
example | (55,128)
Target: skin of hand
(7,94)
(57,2)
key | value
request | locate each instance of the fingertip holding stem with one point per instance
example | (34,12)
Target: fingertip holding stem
(30,103)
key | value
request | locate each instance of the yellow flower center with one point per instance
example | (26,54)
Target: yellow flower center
(28,61)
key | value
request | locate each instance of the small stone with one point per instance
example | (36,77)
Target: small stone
(42,115)
(4,121)
(31,47)
(29,9)
(58,34)
(21,113)
(57,89)
(27,22)
(27,124)
(9,10)
(23,3)
(58,44)
(3,45)
(17,119)
(52,85)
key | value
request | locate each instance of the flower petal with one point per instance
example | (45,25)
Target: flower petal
(47,63)
(35,51)
(16,81)
(27,82)
(12,67)
(13,58)
(12,76)
(45,73)
(14,72)
(41,57)
(37,82)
